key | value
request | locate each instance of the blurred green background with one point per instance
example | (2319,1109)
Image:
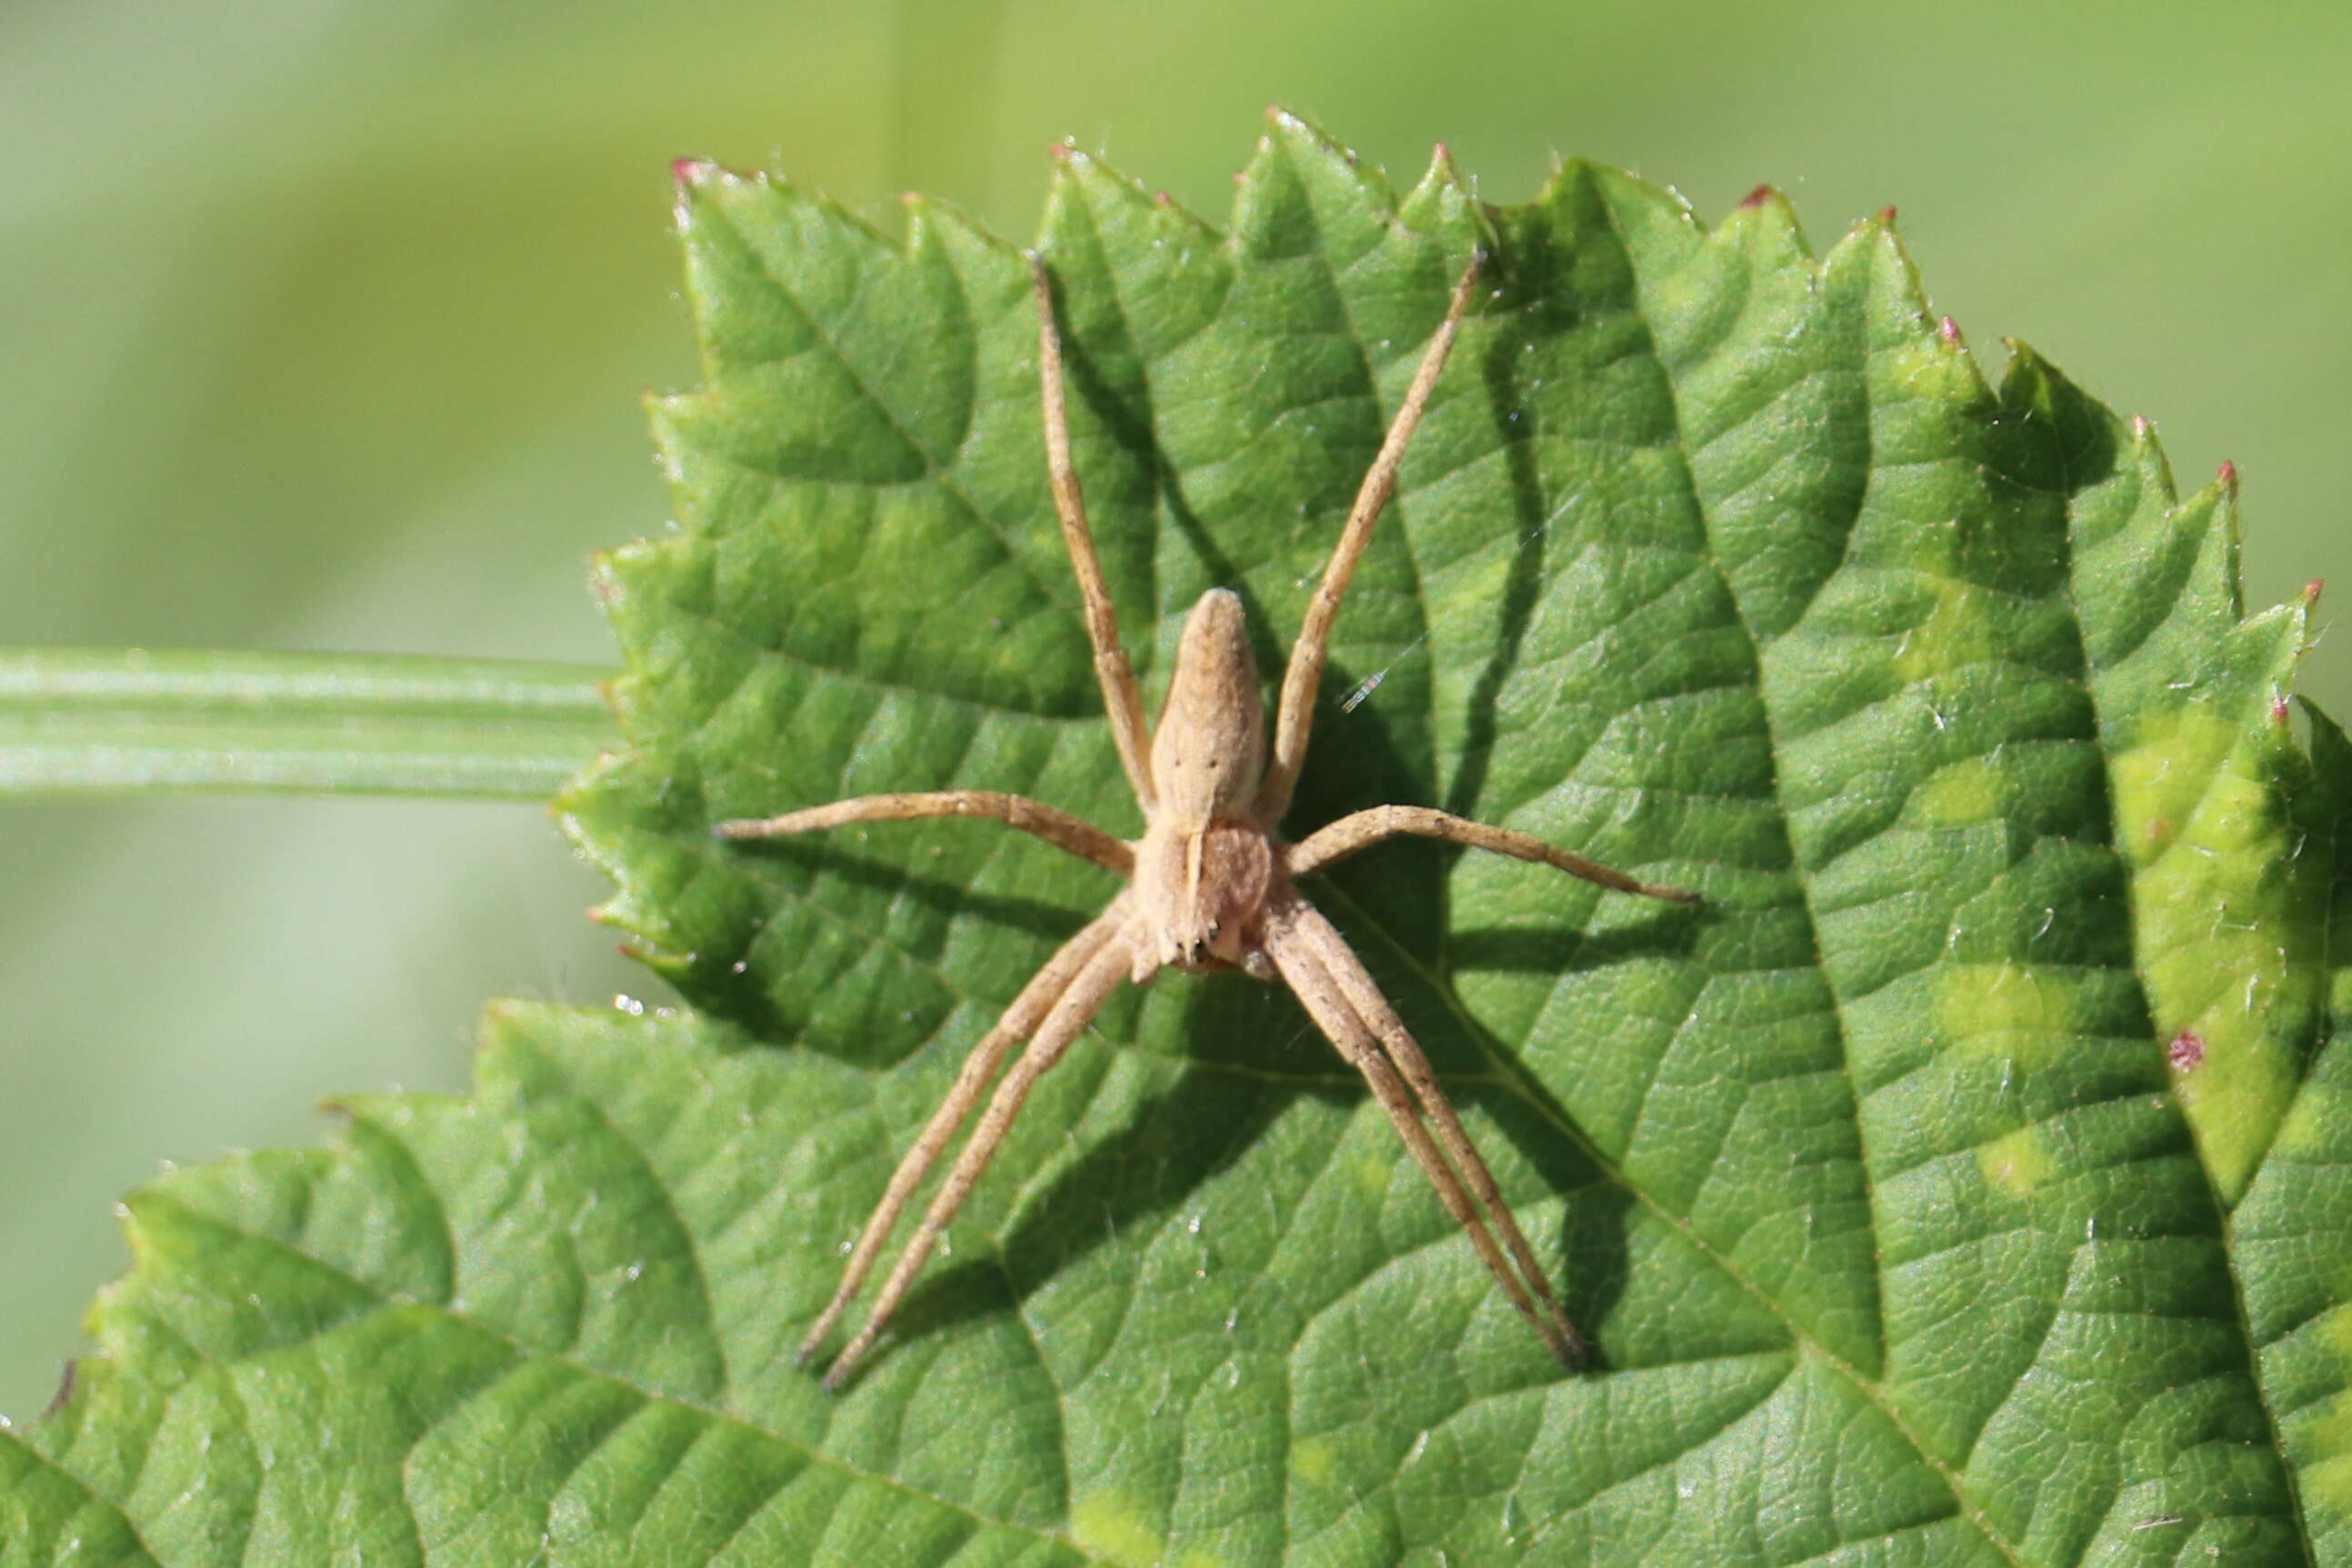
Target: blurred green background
(324,324)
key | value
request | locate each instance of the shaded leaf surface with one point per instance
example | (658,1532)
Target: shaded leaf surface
(1961,1185)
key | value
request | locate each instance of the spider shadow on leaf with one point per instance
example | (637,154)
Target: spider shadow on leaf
(1567,949)
(1128,1185)
(951,897)
(1485,1071)
(725,983)
(1529,273)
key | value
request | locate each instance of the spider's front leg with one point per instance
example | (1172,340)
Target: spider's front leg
(1051,823)
(1304,675)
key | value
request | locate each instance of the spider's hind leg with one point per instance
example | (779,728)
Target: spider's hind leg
(1097,975)
(1363,995)
(1028,1011)
(1322,970)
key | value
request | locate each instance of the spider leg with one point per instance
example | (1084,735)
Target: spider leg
(1055,826)
(1363,994)
(1029,1009)
(1122,697)
(1305,674)
(1099,976)
(1361,829)
(1302,944)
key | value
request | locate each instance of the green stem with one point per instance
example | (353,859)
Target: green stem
(77,721)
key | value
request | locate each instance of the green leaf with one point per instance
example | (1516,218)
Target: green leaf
(1967,1182)
(115,721)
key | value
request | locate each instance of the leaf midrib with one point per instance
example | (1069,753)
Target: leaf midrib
(1513,1077)
(1704,548)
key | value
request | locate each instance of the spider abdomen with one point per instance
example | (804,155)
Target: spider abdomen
(1209,753)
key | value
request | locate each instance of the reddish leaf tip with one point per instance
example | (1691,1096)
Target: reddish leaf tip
(1887,214)
(1949,329)
(692,171)
(2187,1051)
(2314,589)
(2228,476)
(1760,195)
(2281,710)
(2141,428)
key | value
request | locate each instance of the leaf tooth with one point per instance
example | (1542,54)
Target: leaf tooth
(1886,242)
(1301,182)
(1895,298)
(2147,453)
(694,177)
(1765,223)
(1443,201)
(2031,383)
(933,223)
(1767,203)
(690,175)
(755,206)
(2197,521)
(1095,218)
(1082,178)
(2229,535)
(1306,138)
(1655,222)
(1438,182)
(750,242)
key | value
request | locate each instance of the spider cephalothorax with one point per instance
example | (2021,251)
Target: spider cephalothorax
(1209,884)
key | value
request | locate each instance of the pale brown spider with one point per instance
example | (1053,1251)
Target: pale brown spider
(1211,888)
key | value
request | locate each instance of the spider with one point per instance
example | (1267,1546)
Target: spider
(1211,885)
